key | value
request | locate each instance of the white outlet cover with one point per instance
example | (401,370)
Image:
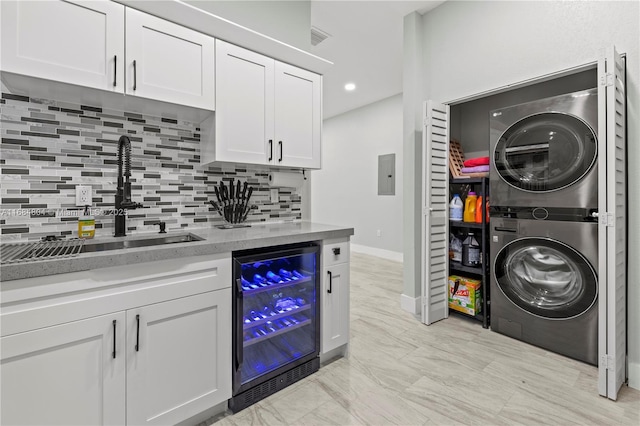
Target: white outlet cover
(83,195)
(274,195)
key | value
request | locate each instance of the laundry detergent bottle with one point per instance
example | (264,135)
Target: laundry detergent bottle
(479,209)
(455,209)
(470,251)
(470,207)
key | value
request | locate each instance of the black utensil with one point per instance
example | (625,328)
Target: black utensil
(245,207)
(246,213)
(223,191)
(232,200)
(215,206)
(224,194)
(217,194)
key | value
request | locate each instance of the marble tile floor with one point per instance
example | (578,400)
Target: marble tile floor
(454,372)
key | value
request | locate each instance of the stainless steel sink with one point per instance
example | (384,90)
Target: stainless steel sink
(43,250)
(90,247)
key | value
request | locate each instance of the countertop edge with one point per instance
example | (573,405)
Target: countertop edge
(159,253)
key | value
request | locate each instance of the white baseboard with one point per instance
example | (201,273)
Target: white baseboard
(410,304)
(634,375)
(372,251)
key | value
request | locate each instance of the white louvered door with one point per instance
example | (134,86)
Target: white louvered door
(435,212)
(612,230)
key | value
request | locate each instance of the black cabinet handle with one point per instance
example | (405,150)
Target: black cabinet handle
(270,149)
(135,77)
(330,280)
(280,143)
(137,333)
(115,69)
(336,251)
(113,354)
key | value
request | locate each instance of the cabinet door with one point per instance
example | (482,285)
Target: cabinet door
(335,307)
(244,118)
(66,374)
(179,358)
(298,117)
(70,41)
(168,62)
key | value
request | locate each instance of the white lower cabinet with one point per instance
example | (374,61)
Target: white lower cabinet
(178,358)
(65,374)
(161,356)
(335,295)
(335,307)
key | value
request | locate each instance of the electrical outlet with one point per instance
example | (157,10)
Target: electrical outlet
(378,233)
(83,195)
(274,195)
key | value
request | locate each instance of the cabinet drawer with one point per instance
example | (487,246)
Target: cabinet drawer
(55,299)
(335,251)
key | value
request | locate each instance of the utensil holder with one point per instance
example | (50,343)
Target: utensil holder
(234,215)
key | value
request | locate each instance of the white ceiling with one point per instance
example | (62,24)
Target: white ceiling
(365,47)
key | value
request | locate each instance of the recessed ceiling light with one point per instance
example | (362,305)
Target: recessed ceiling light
(350,87)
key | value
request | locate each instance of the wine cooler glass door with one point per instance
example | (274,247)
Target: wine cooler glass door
(278,313)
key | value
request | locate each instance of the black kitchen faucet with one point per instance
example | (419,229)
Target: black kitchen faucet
(123,191)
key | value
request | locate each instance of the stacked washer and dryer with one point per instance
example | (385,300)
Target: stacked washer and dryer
(544,234)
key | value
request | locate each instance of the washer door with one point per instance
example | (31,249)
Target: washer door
(545,152)
(546,278)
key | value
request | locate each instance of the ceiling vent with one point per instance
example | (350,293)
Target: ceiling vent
(318,36)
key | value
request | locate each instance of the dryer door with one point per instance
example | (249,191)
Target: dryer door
(545,152)
(546,278)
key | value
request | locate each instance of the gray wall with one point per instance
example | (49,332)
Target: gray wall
(412,88)
(345,191)
(470,120)
(476,46)
(288,21)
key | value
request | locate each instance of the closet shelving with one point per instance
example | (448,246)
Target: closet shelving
(480,185)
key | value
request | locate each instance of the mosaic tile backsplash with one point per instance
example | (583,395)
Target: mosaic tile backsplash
(49,147)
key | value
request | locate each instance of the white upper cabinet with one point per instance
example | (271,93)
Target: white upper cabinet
(297,117)
(74,42)
(267,112)
(168,62)
(244,94)
(83,43)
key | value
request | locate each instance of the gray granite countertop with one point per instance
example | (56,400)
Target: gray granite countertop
(215,241)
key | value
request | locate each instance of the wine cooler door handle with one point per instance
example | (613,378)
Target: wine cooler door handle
(137,333)
(113,354)
(239,326)
(330,279)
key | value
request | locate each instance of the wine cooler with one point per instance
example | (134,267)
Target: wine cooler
(276,317)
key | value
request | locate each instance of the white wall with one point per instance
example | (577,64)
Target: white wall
(288,21)
(345,191)
(476,46)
